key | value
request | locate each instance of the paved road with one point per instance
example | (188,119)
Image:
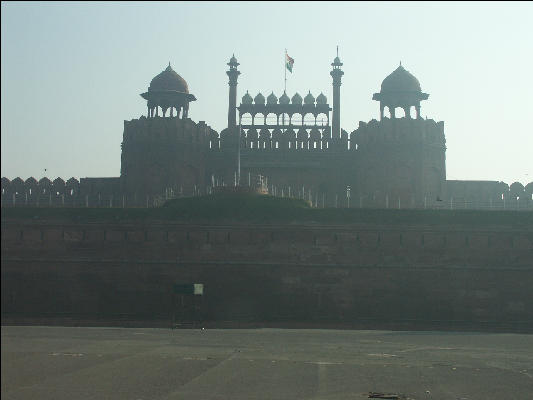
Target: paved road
(128,363)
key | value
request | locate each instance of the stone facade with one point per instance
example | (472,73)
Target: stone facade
(441,274)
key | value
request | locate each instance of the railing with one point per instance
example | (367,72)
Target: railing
(263,184)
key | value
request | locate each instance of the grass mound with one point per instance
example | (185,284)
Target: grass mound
(236,206)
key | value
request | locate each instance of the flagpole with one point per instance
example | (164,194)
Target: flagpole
(285,69)
(285,88)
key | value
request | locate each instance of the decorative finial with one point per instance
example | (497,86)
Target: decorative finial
(169,63)
(400,63)
(337,50)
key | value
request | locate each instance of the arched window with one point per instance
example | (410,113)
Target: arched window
(284,119)
(322,119)
(296,119)
(272,119)
(246,119)
(309,119)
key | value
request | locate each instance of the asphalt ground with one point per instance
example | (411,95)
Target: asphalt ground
(130,363)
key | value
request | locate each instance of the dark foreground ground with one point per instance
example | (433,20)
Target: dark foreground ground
(131,363)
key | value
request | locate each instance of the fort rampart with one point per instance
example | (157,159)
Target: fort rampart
(294,272)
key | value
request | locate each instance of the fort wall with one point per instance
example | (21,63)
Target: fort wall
(289,272)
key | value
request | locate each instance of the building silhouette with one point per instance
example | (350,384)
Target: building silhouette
(295,143)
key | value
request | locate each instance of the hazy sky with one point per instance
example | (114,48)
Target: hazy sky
(71,73)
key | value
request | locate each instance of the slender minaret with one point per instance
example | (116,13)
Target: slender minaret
(233,74)
(336,73)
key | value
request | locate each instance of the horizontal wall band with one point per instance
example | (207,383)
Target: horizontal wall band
(525,268)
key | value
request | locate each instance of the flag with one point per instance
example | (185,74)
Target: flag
(289,62)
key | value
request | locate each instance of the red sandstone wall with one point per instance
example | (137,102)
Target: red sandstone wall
(270,273)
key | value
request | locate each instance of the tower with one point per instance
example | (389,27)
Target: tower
(401,161)
(233,74)
(336,73)
(165,153)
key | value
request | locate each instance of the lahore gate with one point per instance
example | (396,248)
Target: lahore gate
(293,144)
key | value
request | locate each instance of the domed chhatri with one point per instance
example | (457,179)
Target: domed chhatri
(259,99)
(400,89)
(284,99)
(321,99)
(309,99)
(296,99)
(168,90)
(247,99)
(272,99)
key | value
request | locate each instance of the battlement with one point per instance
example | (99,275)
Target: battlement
(398,130)
(166,128)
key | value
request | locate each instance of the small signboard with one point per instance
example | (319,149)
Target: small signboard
(199,289)
(189,288)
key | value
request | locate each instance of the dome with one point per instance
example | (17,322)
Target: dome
(321,99)
(233,61)
(337,62)
(400,80)
(309,99)
(296,99)
(259,99)
(169,80)
(284,99)
(247,99)
(272,99)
